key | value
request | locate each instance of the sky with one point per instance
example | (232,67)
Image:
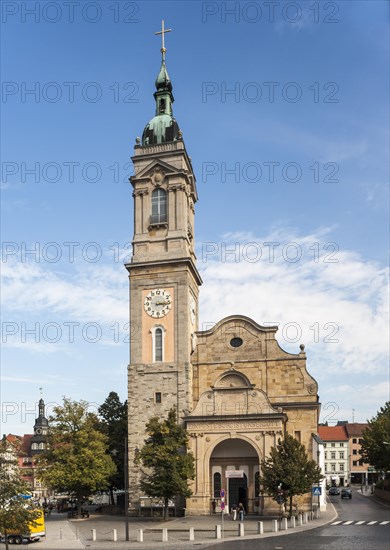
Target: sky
(284,111)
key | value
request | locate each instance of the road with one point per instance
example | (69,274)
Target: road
(351,530)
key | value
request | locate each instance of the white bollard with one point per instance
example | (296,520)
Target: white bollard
(292,521)
(93,535)
(114,535)
(305,517)
(165,535)
(241,530)
(140,535)
(284,524)
(217,531)
(260,528)
(274,525)
(192,533)
(300,519)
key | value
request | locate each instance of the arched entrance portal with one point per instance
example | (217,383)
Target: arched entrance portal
(234,467)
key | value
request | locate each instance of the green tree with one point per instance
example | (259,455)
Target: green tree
(376,440)
(15,515)
(113,415)
(289,468)
(76,461)
(169,464)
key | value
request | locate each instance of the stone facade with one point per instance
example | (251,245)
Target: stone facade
(247,392)
(236,391)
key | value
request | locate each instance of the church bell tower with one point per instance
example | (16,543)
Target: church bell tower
(164,280)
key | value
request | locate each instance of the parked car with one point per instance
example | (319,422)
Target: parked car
(334,491)
(346,493)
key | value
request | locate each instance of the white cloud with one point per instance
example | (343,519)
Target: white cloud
(339,309)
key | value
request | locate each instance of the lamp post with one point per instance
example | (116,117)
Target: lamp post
(126,474)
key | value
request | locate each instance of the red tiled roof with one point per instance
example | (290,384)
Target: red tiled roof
(332,433)
(14,440)
(25,447)
(21,443)
(355,429)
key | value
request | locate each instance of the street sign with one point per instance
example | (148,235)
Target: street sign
(280,499)
(222,506)
(317,491)
(222,493)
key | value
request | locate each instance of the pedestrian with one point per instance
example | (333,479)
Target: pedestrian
(234,511)
(214,506)
(241,511)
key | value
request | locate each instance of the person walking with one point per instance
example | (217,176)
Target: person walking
(214,506)
(241,511)
(234,511)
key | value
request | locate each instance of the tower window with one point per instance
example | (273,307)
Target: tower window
(158,343)
(162,105)
(157,396)
(159,206)
(158,355)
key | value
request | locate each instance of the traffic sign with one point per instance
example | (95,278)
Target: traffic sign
(280,499)
(222,506)
(317,491)
(222,493)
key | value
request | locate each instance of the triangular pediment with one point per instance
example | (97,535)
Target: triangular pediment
(154,167)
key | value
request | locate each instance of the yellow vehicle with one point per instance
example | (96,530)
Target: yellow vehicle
(35,532)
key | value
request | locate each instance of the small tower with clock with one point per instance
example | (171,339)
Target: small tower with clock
(164,280)
(38,440)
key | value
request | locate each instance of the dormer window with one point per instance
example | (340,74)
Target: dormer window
(159,206)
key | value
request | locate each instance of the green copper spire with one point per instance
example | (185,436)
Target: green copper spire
(163,127)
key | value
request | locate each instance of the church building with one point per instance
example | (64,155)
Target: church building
(236,391)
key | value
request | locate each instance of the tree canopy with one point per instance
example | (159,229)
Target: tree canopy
(289,469)
(113,424)
(77,459)
(376,440)
(15,515)
(169,464)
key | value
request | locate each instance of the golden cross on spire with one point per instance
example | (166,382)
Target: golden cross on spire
(162,32)
(40,390)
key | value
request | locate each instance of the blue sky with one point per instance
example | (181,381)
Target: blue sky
(286,121)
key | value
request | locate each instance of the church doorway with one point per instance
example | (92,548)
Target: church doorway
(234,467)
(238,491)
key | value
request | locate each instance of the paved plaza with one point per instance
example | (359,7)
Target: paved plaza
(63,533)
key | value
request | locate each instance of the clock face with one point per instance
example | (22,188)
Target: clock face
(192,306)
(39,431)
(158,303)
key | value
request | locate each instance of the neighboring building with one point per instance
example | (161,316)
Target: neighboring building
(336,454)
(361,473)
(319,457)
(27,447)
(236,391)
(10,452)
